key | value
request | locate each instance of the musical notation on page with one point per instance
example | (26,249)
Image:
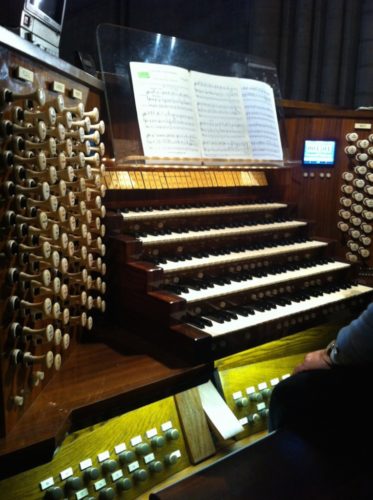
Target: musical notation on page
(193,115)
(221,117)
(260,109)
(165,110)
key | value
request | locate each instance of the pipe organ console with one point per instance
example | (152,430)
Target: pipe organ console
(223,273)
(220,270)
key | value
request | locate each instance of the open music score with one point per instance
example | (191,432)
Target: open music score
(197,115)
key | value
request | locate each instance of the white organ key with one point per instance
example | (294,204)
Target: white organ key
(225,231)
(255,282)
(197,262)
(132,215)
(279,312)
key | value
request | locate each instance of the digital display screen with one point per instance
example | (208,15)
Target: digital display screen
(319,152)
(52,8)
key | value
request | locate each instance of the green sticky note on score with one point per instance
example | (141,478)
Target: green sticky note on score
(143,74)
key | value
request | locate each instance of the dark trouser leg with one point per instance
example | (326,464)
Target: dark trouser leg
(326,406)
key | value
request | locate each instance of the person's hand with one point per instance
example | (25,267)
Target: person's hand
(316,360)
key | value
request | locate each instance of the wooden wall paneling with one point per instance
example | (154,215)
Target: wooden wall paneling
(318,189)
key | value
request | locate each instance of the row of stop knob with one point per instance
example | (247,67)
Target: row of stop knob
(52,171)
(357,200)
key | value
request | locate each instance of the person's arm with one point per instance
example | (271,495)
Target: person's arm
(354,342)
(353,346)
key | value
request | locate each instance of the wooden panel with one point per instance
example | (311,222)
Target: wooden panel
(319,189)
(194,424)
(317,195)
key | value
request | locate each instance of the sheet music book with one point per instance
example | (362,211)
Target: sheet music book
(194,115)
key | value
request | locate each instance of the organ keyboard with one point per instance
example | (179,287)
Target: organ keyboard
(243,282)
(142,213)
(219,278)
(185,262)
(235,318)
(216,232)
